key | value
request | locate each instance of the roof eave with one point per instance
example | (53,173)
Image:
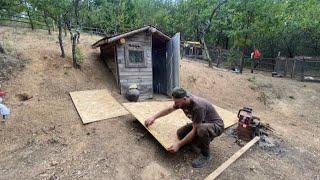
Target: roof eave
(106,40)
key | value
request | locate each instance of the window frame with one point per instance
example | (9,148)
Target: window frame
(135,47)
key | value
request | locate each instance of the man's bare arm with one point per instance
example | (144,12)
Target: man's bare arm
(162,113)
(190,136)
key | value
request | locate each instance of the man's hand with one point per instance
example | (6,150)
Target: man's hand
(174,148)
(149,121)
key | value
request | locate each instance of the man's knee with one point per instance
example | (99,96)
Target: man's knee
(207,131)
(202,132)
(183,131)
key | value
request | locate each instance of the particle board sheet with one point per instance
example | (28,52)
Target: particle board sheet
(95,105)
(165,128)
(229,118)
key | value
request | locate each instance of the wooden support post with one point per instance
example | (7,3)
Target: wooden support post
(302,69)
(293,67)
(233,158)
(285,68)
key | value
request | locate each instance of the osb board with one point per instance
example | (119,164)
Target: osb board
(165,128)
(229,118)
(95,105)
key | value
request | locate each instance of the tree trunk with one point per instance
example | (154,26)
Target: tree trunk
(74,46)
(45,16)
(76,11)
(227,43)
(78,36)
(65,30)
(60,37)
(30,19)
(290,50)
(241,63)
(219,57)
(206,51)
(53,25)
(207,28)
(245,49)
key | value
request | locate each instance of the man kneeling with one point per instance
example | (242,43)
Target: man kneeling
(206,124)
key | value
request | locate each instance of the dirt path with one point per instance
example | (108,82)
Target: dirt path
(45,139)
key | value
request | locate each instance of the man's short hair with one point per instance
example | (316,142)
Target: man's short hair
(179,92)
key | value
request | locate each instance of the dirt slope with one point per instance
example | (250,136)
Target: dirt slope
(45,139)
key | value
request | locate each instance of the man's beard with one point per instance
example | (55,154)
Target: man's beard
(182,106)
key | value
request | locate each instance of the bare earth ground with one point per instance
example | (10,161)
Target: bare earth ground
(45,139)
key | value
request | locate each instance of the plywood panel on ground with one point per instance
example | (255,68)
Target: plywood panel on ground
(165,128)
(229,118)
(95,105)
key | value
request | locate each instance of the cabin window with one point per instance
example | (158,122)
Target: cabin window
(135,56)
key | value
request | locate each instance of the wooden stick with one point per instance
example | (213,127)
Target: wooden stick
(233,158)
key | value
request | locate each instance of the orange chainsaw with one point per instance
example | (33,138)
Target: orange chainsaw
(248,125)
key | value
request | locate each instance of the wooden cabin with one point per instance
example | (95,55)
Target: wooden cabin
(145,57)
(192,49)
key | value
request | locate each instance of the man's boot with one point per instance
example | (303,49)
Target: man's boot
(202,160)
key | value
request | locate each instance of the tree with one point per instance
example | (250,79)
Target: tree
(291,26)
(207,26)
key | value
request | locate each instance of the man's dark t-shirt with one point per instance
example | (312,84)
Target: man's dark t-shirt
(202,111)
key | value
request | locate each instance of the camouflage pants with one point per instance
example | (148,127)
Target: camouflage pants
(206,132)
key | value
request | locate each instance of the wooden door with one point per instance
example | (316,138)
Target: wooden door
(173,63)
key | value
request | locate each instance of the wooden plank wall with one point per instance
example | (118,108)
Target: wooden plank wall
(140,76)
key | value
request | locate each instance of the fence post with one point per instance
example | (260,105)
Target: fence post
(274,63)
(285,68)
(302,69)
(293,68)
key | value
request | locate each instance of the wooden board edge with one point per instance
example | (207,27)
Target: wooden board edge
(233,158)
(150,131)
(74,105)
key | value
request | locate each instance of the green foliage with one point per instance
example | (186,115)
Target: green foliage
(79,56)
(290,26)
(291,97)
(233,58)
(252,79)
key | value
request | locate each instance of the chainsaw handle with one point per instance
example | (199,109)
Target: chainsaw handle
(255,117)
(248,110)
(239,113)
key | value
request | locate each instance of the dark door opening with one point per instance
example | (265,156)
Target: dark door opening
(159,68)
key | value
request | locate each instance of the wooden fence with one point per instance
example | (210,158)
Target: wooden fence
(300,67)
(23,22)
